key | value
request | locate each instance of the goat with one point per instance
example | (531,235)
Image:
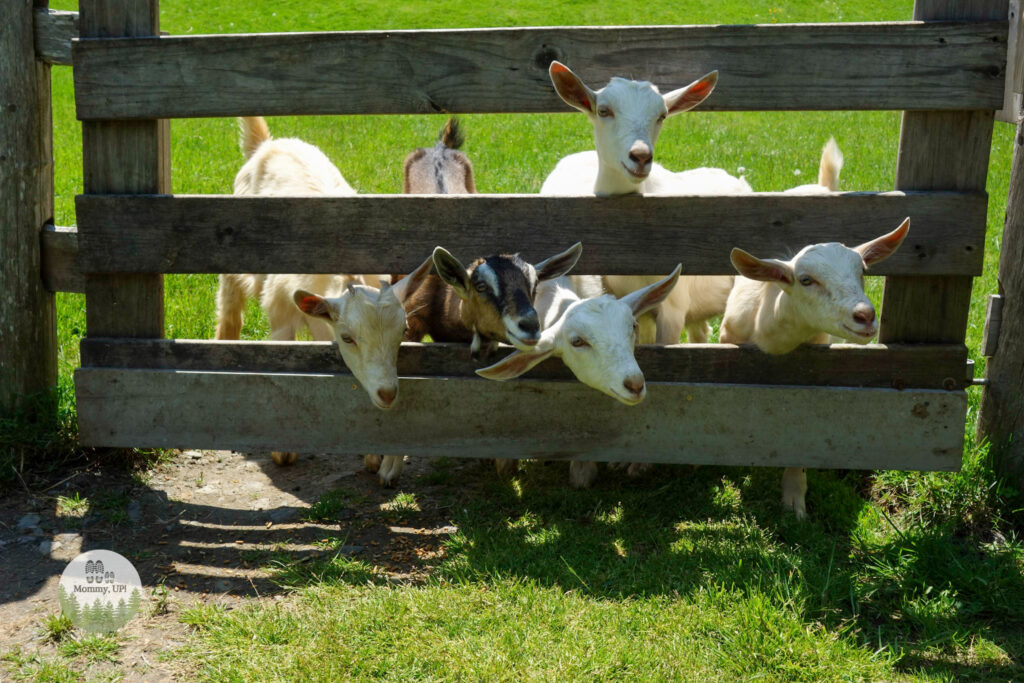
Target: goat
(779,305)
(273,168)
(627,117)
(595,337)
(491,301)
(366,323)
(441,169)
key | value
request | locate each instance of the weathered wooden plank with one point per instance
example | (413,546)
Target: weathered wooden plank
(394,233)
(856,66)
(28,324)
(1001,416)
(124,156)
(940,150)
(901,367)
(60,259)
(681,423)
(54,30)
(1014,84)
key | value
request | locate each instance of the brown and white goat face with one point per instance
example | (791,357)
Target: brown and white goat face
(627,116)
(368,328)
(498,293)
(825,283)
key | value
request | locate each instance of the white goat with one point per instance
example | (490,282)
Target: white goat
(779,305)
(595,337)
(273,168)
(627,117)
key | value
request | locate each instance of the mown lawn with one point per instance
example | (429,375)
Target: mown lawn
(684,574)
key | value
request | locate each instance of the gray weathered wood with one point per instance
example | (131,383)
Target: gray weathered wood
(124,156)
(902,367)
(54,31)
(1001,416)
(1014,84)
(993,323)
(939,150)
(855,66)
(394,233)
(60,259)
(28,327)
(681,423)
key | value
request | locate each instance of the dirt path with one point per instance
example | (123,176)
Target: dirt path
(200,529)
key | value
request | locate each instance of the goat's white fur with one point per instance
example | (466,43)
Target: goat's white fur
(595,337)
(779,305)
(273,168)
(627,117)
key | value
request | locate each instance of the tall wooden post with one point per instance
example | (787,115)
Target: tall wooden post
(1001,418)
(124,157)
(28,324)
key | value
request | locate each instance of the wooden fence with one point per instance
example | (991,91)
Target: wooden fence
(897,404)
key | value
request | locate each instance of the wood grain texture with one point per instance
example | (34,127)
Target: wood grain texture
(393,233)
(60,259)
(1001,416)
(54,30)
(677,423)
(124,156)
(28,327)
(939,150)
(856,66)
(903,367)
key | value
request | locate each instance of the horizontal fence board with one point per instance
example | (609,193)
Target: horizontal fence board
(677,423)
(911,366)
(54,30)
(394,233)
(902,65)
(60,259)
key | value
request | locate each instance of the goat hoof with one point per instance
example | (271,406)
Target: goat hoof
(582,475)
(371,462)
(283,458)
(506,467)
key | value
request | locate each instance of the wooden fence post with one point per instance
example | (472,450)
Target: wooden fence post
(28,324)
(124,157)
(1001,417)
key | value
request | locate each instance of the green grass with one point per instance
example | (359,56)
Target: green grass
(680,575)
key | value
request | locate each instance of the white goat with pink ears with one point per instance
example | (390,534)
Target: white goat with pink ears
(595,337)
(627,117)
(779,305)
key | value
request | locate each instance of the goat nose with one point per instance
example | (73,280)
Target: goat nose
(387,396)
(634,385)
(640,153)
(864,314)
(530,325)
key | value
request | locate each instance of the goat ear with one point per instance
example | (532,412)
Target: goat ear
(689,97)
(559,264)
(765,270)
(405,287)
(885,246)
(571,89)
(313,305)
(513,365)
(451,271)
(645,299)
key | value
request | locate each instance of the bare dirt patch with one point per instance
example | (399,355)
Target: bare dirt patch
(207,527)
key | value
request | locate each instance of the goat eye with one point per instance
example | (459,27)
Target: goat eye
(807,280)
(347,339)
(578,342)
(605,112)
(481,286)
